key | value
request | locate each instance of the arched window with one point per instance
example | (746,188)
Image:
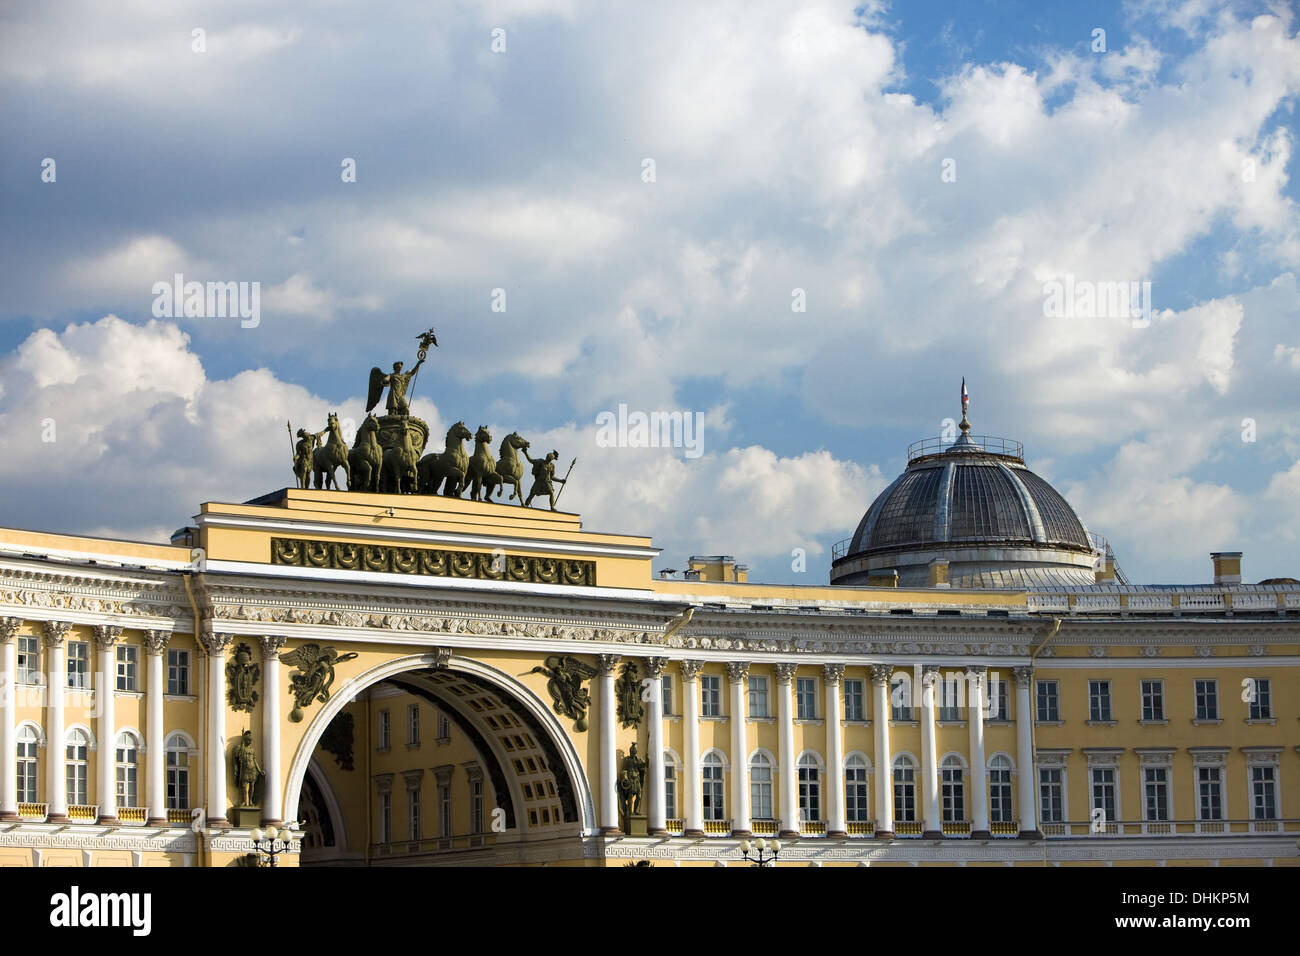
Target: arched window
(78,753)
(128,771)
(855,790)
(1000,810)
(760,787)
(810,789)
(954,790)
(904,790)
(712,773)
(178,773)
(670,785)
(28,741)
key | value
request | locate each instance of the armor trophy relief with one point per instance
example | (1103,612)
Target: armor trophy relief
(388,453)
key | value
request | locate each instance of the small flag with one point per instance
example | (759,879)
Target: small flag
(965,395)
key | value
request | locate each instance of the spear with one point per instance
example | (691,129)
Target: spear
(565,480)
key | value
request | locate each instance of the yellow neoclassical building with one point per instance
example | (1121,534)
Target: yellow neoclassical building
(427,680)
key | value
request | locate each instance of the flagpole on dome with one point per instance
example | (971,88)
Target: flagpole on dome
(965,401)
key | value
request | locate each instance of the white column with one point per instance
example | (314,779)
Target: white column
(789,773)
(1025,753)
(880,674)
(976,694)
(737,672)
(657,822)
(608,745)
(835,824)
(215,645)
(272,796)
(155,762)
(9,718)
(693,786)
(56,744)
(929,755)
(106,637)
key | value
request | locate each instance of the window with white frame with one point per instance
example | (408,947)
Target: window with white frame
(383,739)
(1155,793)
(1000,808)
(1153,700)
(1047,693)
(904,790)
(953,791)
(1209,793)
(1207,700)
(29,660)
(28,742)
(710,696)
(128,668)
(759,705)
(711,773)
(444,808)
(413,724)
(805,698)
(128,771)
(1103,793)
(999,700)
(413,812)
(78,751)
(948,696)
(666,685)
(385,817)
(760,787)
(856,791)
(178,672)
(476,805)
(1099,700)
(1263,792)
(79,665)
(853,700)
(1051,789)
(810,789)
(900,698)
(670,786)
(1260,695)
(178,773)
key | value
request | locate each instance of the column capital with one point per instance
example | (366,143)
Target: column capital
(215,644)
(605,663)
(55,632)
(929,674)
(1023,675)
(155,642)
(832,673)
(737,671)
(654,666)
(271,645)
(9,628)
(975,675)
(690,670)
(784,672)
(106,635)
(880,673)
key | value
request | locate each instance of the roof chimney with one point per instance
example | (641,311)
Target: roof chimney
(1227,567)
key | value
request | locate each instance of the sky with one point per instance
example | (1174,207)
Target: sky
(798,224)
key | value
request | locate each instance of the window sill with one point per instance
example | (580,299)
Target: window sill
(1000,722)
(904,723)
(137,694)
(808,721)
(1049,723)
(1271,721)
(717,718)
(383,750)
(413,746)
(766,719)
(1100,723)
(1204,721)
(184,698)
(1162,722)
(952,723)
(857,723)
(442,740)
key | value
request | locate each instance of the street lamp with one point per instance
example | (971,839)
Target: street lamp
(271,841)
(759,848)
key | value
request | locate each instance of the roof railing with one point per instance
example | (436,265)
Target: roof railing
(975,444)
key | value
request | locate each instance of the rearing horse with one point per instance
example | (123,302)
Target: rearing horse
(324,461)
(450,464)
(482,471)
(509,467)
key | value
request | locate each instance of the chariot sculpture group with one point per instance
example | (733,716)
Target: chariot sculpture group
(387,455)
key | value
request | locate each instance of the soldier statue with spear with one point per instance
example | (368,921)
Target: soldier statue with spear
(544,476)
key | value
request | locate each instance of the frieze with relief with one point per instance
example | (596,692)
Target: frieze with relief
(434,562)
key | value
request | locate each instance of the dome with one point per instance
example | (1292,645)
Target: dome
(973,504)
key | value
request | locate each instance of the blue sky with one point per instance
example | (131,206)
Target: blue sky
(795,147)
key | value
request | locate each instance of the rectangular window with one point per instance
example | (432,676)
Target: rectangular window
(29,660)
(383,741)
(128,774)
(178,672)
(1153,700)
(806,698)
(1103,793)
(178,780)
(1099,700)
(1209,786)
(900,699)
(853,701)
(78,664)
(1000,809)
(444,727)
(1259,692)
(710,696)
(953,794)
(1049,706)
(667,692)
(670,790)
(413,724)
(905,793)
(1051,787)
(855,793)
(760,789)
(758,699)
(1207,700)
(712,796)
(444,810)
(999,702)
(810,792)
(476,806)
(385,818)
(27,744)
(128,662)
(413,811)
(1155,782)
(948,709)
(1263,793)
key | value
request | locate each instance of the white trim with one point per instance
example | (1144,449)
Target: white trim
(337,818)
(190,746)
(961,761)
(671,757)
(67,732)
(866,759)
(726,764)
(139,740)
(771,758)
(817,759)
(1011,762)
(40,734)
